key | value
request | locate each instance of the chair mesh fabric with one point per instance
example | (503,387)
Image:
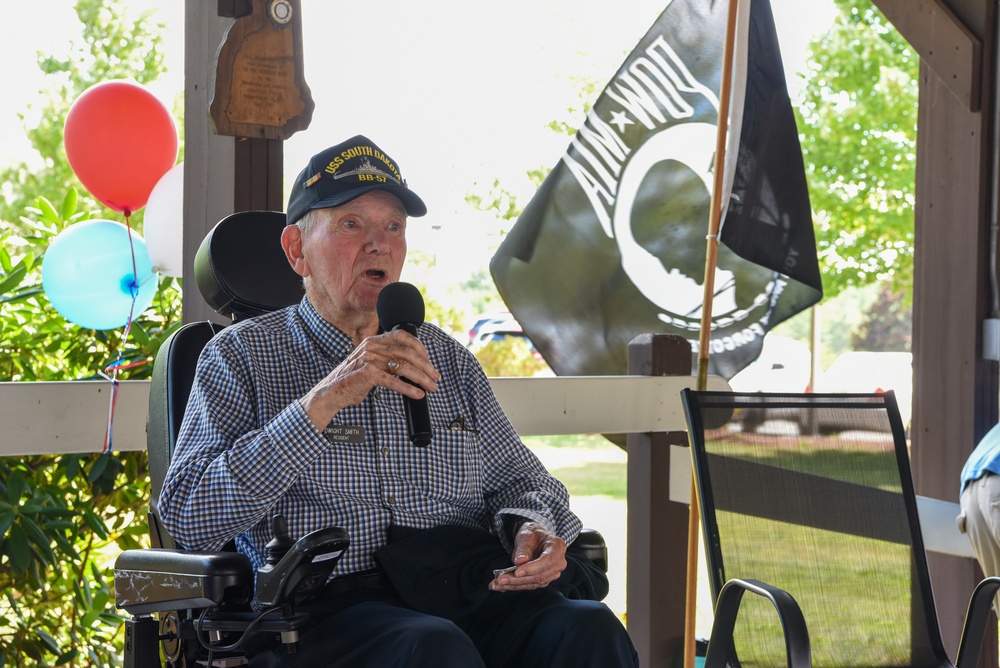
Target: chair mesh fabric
(817,500)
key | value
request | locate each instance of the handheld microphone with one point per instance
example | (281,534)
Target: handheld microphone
(401,306)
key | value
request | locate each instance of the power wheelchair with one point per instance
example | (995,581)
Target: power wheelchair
(202,600)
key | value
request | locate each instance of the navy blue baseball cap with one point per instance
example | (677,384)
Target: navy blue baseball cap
(344,172)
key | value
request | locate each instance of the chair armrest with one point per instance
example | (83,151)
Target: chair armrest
(975,622)
(727,607)
(155,580)
(591,543)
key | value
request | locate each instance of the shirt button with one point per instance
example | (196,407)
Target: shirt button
(391,500)
(385,449)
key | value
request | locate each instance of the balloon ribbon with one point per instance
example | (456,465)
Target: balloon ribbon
(111,371)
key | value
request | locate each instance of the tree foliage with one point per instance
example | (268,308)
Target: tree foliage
(113,45)
(858,119)
(887,326)
(63,519)
(510,356)
(60,516)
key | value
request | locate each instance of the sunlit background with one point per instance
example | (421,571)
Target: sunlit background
(461,94)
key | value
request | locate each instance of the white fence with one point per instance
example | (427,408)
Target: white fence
(71,416)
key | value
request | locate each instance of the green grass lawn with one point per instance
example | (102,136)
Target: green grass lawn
(861,573)
(589,478)
(594,479)
(855,592)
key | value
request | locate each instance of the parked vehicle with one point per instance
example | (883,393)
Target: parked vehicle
(782,366)
(866,372)
(497,316)
(499,330)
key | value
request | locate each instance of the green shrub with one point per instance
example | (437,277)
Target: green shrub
(65,518)
(509,357)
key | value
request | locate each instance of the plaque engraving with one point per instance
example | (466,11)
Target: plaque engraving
(260,90)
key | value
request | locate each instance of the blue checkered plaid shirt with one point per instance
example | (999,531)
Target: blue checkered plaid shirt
(247,450)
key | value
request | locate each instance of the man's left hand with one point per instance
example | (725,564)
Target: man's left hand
(540,557)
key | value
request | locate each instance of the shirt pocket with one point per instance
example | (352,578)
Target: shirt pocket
(454,467)
(448,471)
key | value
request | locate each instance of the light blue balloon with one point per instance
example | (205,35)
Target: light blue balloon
(88,277)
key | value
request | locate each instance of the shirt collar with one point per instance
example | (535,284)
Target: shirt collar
(330,339)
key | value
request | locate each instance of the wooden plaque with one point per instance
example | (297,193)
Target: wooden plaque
(260,88)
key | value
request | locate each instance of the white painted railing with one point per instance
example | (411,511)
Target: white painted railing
(71,417)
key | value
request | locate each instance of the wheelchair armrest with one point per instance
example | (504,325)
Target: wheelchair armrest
(591,543)
(155,580)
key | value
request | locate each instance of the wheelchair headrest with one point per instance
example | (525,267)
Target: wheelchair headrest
(241,269)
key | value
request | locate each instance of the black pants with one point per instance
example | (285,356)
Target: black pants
(535,629)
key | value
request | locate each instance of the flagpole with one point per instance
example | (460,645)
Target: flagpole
(711,258)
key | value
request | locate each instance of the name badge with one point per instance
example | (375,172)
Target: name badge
(343,433)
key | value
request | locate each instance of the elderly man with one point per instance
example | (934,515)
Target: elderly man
(264,434)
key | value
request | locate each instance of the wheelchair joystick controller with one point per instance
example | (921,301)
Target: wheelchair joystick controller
(280,544)
(295,571)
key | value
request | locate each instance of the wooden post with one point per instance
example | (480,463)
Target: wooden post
(954,388)
(209,159)
(258,184)
(657,551)
(224,174)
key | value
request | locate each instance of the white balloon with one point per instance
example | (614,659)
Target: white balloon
(163,222)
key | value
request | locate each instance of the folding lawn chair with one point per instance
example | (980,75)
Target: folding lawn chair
(823,528)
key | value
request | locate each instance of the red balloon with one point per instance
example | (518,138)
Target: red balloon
(120,139)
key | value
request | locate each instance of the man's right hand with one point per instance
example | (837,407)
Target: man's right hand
(379,361)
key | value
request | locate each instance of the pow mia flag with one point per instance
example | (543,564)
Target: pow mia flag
(612,245)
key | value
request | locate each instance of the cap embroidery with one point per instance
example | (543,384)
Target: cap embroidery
(366,167)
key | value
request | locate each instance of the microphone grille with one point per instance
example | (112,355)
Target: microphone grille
(400,303)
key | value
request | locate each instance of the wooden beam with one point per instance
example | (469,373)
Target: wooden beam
(943,42)
(258,184)
(209,159)
(955,390)
(222,174)
(596,404)
(234,9)
(60,417)
(656,580)
(71,416)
